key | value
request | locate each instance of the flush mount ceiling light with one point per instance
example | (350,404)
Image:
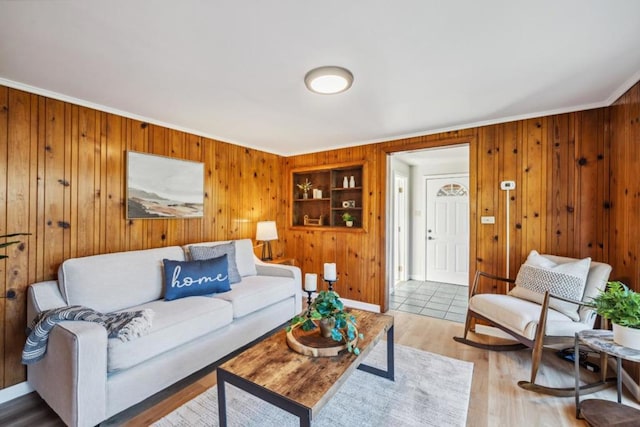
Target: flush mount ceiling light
(328,80)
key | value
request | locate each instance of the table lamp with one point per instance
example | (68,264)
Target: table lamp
(265,232)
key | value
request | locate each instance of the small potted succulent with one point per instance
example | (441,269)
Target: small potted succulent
(348,219)
(305,187)
(328,311)
(621,306)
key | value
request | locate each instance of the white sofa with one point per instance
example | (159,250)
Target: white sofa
(86,377)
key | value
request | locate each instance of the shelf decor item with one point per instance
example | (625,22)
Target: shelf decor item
(313,221)
(348,219)
(345,182)
(305,187)
(621,306)
(352,182)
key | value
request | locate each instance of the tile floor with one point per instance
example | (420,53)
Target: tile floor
(433,299)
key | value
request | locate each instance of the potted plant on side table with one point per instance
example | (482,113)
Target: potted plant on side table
(621,306)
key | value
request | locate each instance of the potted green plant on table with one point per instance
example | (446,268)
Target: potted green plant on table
(621,306)
(328,311)
(348,219)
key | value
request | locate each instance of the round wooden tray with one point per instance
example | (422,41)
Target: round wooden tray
(312,343)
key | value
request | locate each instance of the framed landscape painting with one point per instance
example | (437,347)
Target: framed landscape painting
(163,187)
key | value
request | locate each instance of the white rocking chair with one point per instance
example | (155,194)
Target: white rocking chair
(535,325)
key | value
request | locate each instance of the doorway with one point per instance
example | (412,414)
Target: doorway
(444,296)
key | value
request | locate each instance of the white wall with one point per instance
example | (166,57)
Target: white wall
(430,166)
(400,166)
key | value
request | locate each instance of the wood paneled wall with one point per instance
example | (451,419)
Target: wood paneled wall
(560,165)
(63,169)
(560,204)
(624,225)
(63,181)
(625,188)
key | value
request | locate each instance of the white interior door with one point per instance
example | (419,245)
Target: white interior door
(448,230)
(400,229)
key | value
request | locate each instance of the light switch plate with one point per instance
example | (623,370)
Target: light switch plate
(487,219)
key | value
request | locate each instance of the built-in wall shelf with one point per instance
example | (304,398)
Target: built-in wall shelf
(335,190)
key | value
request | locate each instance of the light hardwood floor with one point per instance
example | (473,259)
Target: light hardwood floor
(496,400)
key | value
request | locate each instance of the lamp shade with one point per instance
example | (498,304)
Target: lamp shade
(266,231)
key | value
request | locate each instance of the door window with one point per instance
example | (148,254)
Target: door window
(452,190)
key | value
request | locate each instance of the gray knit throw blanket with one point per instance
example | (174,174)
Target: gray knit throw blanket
(125,326)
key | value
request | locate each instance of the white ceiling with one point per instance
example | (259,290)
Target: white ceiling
(233,70)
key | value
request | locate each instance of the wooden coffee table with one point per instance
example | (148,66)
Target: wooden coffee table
(301,385)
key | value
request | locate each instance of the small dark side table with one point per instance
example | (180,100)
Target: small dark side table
(600,412)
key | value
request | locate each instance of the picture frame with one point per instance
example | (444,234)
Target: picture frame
(163,187)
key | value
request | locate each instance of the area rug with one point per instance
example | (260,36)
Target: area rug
(429,390)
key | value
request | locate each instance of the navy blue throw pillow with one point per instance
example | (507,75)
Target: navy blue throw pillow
(192,278)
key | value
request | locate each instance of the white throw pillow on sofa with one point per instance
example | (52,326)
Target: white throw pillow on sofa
(245,258)
(539,274)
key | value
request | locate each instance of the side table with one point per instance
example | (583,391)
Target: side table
(599,412)
(283,261)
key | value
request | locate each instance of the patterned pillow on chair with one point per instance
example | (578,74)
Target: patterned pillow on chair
(539,274)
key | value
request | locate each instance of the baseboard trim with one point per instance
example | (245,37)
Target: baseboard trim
(361,305)
(15,391)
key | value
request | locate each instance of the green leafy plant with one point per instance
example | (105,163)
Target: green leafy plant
(9,243)
(619,304)
(348,217)
(327,305)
